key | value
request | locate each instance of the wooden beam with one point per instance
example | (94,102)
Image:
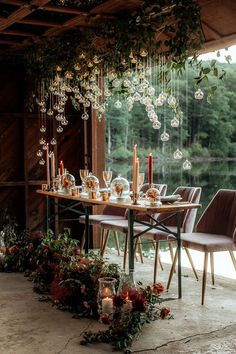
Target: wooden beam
(14,2)
(63,9)
(39,23)
(17,33)
(215,33)
(223,42)
(8,42)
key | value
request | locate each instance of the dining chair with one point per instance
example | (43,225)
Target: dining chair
(109,213)
(188,217)
(214,232)
(122,224)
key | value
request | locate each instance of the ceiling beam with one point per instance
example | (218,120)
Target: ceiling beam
(216,34)
(39,23)
(14,2)
(223,42)
(8,41)
(17,33)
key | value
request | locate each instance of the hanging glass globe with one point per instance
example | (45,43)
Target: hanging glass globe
(187,165)
(136,96)
(129,72)
(130,100)
(42,141)
(145,83)
(42,129)
(90,64)
(50,154)
(59,117)
(171,101)
(126,83)
(118,104)
(140,66)
(77,67)
(177,155)
(50,112)
(158,102)
(116,83)
(130,107)
(142,100)
(141,89)
(163,96)
(134,60)
(150,108)
(64,122)
(135,80)
(96,59)
(92,78)
(39,153)
(174,122)
(151,91)
(55,106)
(96,71)
(147,101)
(82,56)
(87,103)
(199,94)
(85,116)
(53,141)
(148,71)
(45,147)
(131,55)
(113,75)
(131,89)
(143,53)
(60,109)
(156,125)
(165,136)
(95,105)
(42,162)
(43,109)
(59,129)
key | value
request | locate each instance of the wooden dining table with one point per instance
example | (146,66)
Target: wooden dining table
(174,209)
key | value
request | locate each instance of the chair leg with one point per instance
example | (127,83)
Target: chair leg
(103,231)
(212,268)
(160,262)
(172,269)
(106,236)
(117,242)
(140,249)
(171,253)
(125,251)
(233,258)
(191,262)
(204,277)
(155,262)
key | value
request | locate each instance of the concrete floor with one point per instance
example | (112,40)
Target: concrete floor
(29,326)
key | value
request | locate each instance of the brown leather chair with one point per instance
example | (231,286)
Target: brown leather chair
(214,232)
(122,224)
(188,194)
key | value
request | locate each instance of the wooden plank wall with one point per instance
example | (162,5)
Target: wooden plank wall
(20,173)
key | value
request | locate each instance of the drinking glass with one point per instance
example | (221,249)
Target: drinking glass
(107,176)
(83,175)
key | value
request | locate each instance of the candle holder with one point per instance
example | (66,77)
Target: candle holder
(135,198)
(153,197)
(105,296)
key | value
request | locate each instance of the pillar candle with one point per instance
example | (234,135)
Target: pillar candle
(61,168)
(135,187)
(47,167)
(53,165)
(150,181)
(134,165)
(107,306)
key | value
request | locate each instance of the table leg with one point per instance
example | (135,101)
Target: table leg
(87,230)
(178,219)
(131,240)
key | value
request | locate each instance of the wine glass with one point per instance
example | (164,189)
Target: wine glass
(107,176)
(83,175)
(141,177)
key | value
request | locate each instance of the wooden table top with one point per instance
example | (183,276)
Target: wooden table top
(141,207)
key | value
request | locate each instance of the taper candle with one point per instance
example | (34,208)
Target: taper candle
(61,168)
(134,165)
(53,165)
(150,180)
(47,166)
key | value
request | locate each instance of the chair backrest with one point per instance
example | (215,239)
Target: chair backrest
(219,216)
(188,217)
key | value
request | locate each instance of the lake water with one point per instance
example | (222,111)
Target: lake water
(210,175)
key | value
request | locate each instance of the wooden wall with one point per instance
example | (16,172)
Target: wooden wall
(20,173)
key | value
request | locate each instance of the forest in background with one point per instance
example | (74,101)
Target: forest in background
(207,131)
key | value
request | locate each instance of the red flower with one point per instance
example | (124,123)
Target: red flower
(105,319)
(59,292)
(118,301)
(140,304)
(157,289)
(164,312)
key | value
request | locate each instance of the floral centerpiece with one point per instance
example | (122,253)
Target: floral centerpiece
(132,309)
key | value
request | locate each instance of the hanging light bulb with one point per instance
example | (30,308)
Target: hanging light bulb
(64,122)
(85,116)
(50,112)
(42,141)
(42,129)
(177,154)
(187,165)
(165,136)
(77,67)
(43,109)
(199,94)
(174,122)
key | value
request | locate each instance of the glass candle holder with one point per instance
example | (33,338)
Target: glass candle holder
(153,197)
(91,185)
(105,296)
(120,190)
